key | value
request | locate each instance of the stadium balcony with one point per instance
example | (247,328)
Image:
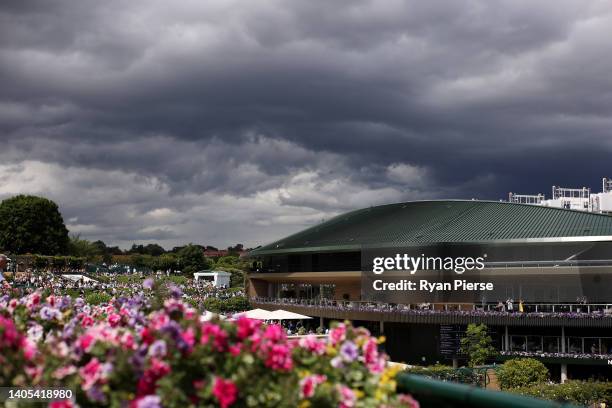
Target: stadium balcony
(543,315)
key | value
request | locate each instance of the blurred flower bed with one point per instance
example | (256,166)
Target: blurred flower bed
(148,351)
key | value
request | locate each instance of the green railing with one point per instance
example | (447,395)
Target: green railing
(439,394)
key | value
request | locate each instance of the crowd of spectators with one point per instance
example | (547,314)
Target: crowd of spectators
(579,310)
(77,283)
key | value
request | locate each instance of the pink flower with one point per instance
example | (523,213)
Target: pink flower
(198,384)
(147,336)
(127,341)
(235,350)
(312,344)
(408,401)
(86,320)
(114,319)
(274,332)
(86,341)
(91,373)
(255,340)
(159,320)
(219,336)
(61,404)
(337,334)
(28,347)
(309,384)
(189,337)
(159,368)
(34,372)
(370,351)
(377,367)
(279,358)
(372,359)
(245,327)
(190,313)
(225,391)
(12,305)
(33,300)
(64,371)
(51,300)
(146,383)
(9,336)
(348,398)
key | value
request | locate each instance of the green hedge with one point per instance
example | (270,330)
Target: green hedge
(522,372)
(127,279)
(177,280)
(447,373)
(575,392)
(97,298)
(231,305)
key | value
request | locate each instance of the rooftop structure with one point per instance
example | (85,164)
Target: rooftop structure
(555,262)
(219,279)
(449,221)
(580,199)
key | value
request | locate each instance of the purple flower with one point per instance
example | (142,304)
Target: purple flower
(65,302)
(175,292)
(35,332)
(150,401)
(138,358)
(336,362)
(49,313)
(148,283)
(158,349)
(349,351)
(95,394)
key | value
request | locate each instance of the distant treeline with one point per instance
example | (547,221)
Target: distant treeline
(34,225)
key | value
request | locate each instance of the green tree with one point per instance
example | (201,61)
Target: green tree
(192,259)
(167,261)
(522,372)
(82,248)
(30,224)
(230,305)
(477,345)
(40,261)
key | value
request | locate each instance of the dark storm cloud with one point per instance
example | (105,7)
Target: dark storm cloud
(287,112)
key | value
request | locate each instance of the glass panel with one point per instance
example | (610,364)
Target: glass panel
(551,344)
(606,345)
(591,345)
(518,343)
(574,345)
(534,343)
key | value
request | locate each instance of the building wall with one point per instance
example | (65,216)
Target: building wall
(257,288)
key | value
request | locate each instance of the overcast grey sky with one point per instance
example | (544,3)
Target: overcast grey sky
(220,122)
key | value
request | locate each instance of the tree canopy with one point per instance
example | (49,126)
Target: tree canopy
(30,224)
(192,258)
(477,344)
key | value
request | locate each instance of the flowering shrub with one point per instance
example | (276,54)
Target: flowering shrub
(522,372)
(125,350)
(584,393)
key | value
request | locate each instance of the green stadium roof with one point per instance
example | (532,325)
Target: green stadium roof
(443,221)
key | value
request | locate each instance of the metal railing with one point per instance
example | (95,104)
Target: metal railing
(432,393)
(598,309)
(493,264)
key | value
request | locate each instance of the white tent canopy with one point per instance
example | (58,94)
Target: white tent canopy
(78,277)
(258,314)
(281,314)
(208,316)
